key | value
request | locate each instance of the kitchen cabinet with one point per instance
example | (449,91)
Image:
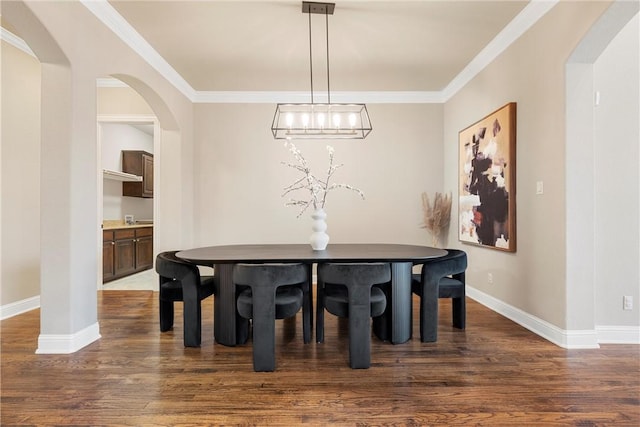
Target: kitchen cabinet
(108,256)
(138,163)
(126,251)
(144,248)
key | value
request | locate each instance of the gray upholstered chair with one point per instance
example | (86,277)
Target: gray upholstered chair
(347,290)
(441,278)
(275,291)
(180,280)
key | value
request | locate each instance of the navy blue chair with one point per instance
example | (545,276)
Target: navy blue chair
(275,291)
(180,280)
(347,290)
(442,277)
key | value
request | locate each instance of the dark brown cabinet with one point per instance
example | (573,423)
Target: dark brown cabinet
(108,256)
(126,251)
(144,248)
(139,163)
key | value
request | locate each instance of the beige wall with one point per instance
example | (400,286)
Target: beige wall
(68,197)
(220,176)
(121,101)
(617,179)
(114,139)
(531,73)
(239,177)
(20,262)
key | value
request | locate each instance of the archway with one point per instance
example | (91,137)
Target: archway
(581,181)
(68,308)
(68,299)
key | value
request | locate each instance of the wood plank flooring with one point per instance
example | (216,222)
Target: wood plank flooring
(494,373)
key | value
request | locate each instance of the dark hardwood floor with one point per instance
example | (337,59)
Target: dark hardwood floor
(494,373)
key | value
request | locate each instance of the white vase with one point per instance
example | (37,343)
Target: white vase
(319,239)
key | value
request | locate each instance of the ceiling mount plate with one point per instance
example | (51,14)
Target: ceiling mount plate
(316,7)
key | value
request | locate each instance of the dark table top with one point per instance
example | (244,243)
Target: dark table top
(335,252)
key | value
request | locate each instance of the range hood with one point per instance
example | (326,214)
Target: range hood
(120,176)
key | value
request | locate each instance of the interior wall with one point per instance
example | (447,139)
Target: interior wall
(616,75)
(69,226)
(20,170)
(239,178)
(122,101)
(116,137)
(531,73)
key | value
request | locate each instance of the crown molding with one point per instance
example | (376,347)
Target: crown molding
(15,41)
(266,97)
(527,17)
(531,13)
(116,23)
(19,43)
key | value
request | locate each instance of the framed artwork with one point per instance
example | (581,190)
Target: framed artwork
(487,181)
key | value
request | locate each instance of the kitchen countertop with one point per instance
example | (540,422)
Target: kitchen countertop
(119,224)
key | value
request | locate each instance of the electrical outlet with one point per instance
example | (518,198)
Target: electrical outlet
(627,302)
(490,278)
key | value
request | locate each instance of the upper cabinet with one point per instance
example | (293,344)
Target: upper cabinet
(138,163)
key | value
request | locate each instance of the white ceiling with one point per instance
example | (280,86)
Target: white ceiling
(264,45)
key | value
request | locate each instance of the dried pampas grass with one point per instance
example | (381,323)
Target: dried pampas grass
(436,215)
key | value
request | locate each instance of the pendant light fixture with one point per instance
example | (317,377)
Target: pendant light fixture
(320,120)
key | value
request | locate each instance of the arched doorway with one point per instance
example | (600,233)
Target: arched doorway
(135,133)
(583,191)
(68,188)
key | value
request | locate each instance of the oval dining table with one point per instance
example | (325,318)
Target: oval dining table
(394,326)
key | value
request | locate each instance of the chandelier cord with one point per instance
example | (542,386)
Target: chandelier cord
(310,58)
(326,17)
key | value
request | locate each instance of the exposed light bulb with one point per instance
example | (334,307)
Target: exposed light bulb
(352,120)
(305,120)
(321,120)
(289,120)
(336,121)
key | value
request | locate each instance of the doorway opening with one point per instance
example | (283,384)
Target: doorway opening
(127,200)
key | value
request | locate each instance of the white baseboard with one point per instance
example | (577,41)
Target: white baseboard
(573,339)
(65,344)
(53,344)
(618,334)
(19,307)
(560,337)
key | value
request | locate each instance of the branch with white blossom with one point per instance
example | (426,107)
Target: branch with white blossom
(317,188)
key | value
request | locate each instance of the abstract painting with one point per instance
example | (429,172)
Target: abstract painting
(487,181)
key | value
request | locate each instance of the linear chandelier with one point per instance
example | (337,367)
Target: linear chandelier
(320,120)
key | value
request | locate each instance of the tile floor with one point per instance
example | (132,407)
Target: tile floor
(144,281)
